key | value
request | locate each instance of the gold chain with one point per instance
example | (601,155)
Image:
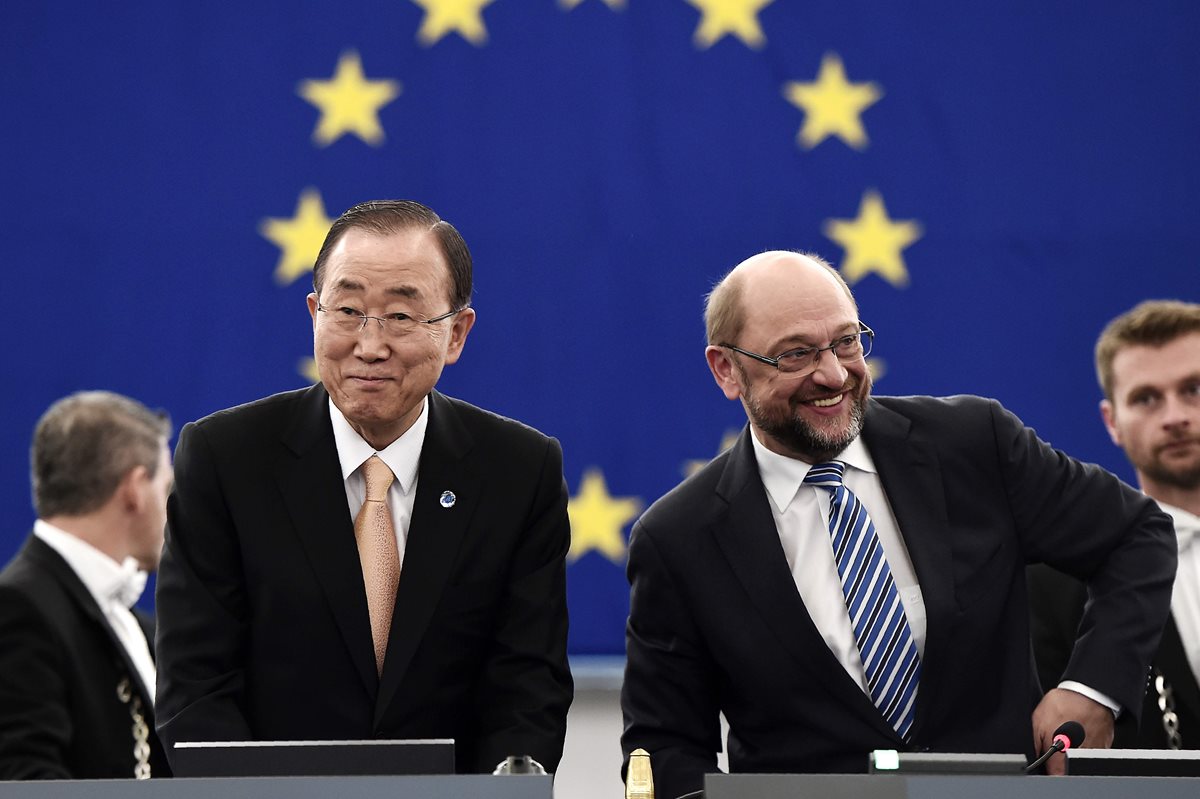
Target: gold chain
(141,731)
(1166,706)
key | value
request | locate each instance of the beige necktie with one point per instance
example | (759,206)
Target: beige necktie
(377,550)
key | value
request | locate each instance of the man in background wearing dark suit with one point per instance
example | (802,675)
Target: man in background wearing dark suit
(368,558)
(739,602)
(1148,365)
(76,673)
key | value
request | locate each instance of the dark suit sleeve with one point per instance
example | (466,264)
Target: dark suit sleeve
(36,726)
(669,698)
(201,607)
(1084,521)
(1056,603)
(526,686)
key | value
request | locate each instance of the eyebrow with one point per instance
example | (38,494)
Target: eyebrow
(792,342)
(408,292)
(1182,381)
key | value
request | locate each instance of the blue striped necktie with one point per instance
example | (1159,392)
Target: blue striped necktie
(885,642)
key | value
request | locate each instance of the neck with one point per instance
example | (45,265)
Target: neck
(95,529)
(1186,498)
(382,436)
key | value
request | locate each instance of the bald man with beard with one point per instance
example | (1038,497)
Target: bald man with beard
(737,601)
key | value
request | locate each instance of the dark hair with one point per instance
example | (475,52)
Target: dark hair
(1152,323)
(85,444)
(385,217)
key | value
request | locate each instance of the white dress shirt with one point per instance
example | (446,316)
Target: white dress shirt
(1185,600)
(802,518)
(402,456)
(114,586)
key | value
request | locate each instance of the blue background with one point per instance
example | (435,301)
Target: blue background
(605,170)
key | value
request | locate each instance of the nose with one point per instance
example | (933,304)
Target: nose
(830,370)
(1178,413)
(371,344)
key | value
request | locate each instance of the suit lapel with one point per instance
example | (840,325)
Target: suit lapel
(45,556)
(435,534)
(912,480)
(315,496)
(750,541)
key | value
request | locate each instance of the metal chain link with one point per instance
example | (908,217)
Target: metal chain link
(1166,706)
(141,731)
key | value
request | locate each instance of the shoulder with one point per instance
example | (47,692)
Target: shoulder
(968,433)
(957,417)
(253,433)
(18,580)
(23,599)
(926,407)
(29,572)
(696,499)
(488,428)
(272,411)
(31,593)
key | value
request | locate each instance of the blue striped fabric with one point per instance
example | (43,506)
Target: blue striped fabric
(885,642)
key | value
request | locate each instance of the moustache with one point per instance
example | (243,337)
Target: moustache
(849,387)
(1176,441)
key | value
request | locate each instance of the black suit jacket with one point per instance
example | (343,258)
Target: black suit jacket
(60,664)
(1056,603)
(263,630)
(717,624)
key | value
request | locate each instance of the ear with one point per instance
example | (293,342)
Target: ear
(312,307)
(464,320)
(131,491)
(720,363)
(1109,414)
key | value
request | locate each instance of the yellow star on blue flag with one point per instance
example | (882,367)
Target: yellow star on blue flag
(307,368)
(598,519)
(349,103)
(464,17)
(299,238)
(873,242)
(722,17)
(832,105)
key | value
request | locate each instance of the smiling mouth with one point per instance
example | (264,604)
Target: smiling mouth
(825,403)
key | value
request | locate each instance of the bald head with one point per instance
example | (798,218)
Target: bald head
(761,279)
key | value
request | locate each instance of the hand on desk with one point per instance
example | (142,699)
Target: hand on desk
(1061,704)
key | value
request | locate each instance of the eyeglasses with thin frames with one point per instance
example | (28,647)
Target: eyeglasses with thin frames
(350,321)
(804,361)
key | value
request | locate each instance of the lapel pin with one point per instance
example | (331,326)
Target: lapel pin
(448,499)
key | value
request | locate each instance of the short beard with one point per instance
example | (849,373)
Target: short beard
(801,438)
(1187,479)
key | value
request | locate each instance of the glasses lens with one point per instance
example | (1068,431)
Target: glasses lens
(343,320)
(865,341)
(797,361)
(397,326)
(850,347)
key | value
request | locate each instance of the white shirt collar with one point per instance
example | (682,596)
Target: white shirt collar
(782,476)
(105,579)
(1187,524)
(402,456)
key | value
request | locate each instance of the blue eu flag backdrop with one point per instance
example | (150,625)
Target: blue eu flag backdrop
(995,180)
